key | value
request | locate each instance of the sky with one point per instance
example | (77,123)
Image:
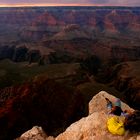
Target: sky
(70,2)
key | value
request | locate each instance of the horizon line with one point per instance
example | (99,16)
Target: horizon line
(59,5)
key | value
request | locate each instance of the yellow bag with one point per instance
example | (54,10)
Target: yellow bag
(115,126)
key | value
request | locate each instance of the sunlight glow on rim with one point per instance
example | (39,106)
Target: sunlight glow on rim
(45,4)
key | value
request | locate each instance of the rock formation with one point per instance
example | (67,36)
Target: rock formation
(98,103)
(84,30)
(36,133)
(93,127)
(33,24)
(71,32)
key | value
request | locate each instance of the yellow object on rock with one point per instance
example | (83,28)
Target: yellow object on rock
(115,126)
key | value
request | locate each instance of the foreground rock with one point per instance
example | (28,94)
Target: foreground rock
(93,127)
(36,133)
(98,103)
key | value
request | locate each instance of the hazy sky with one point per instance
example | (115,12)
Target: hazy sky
(71,2)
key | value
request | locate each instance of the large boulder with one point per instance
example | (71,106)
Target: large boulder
(98,103)
(93,127)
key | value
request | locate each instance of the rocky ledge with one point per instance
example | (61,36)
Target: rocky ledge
(92,127)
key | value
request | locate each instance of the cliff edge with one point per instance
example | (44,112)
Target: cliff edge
(92,127)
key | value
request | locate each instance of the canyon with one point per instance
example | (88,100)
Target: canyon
(35,32)
(53,60)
